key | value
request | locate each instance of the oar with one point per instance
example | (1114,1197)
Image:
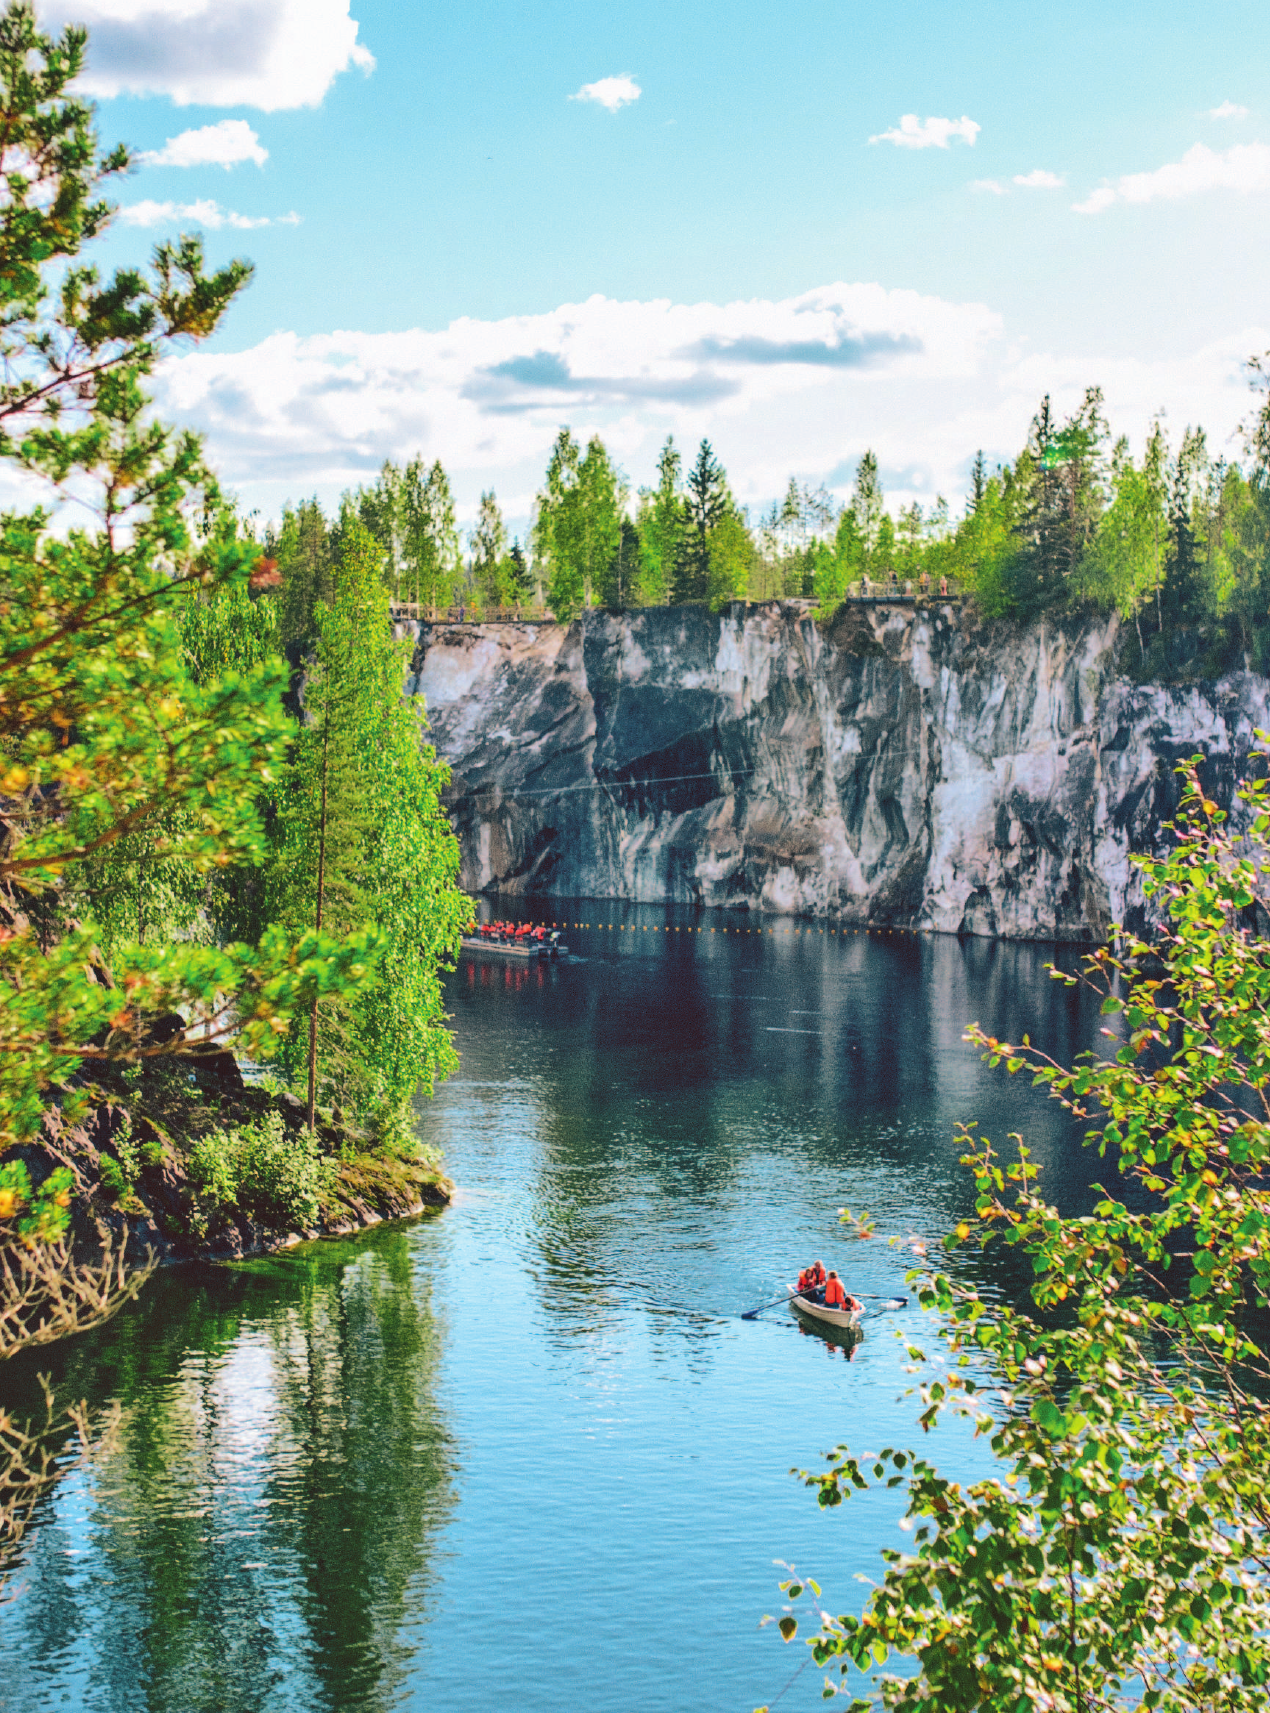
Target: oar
(750,1313)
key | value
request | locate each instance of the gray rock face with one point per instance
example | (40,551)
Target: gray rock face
(898,767)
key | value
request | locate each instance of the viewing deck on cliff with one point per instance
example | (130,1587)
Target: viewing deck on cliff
(906,594)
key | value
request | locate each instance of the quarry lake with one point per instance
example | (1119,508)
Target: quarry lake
(526,1454)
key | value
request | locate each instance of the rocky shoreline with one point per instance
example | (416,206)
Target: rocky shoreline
(130,1159)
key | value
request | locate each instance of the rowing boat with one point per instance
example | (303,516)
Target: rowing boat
(842,1320)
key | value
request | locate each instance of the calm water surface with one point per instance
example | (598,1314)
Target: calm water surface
(526,1454)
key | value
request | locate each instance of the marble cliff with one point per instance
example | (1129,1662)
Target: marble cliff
(894,766)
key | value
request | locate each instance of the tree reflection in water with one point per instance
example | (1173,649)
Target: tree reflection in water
(263,1531)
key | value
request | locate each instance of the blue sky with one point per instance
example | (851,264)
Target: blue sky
(462,254)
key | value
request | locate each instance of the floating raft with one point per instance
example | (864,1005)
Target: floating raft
(529,951)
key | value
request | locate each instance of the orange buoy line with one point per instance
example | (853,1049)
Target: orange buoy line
(727,928)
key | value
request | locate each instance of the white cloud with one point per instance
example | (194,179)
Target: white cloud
(1096,201)
(800,385)
(915,133)
(269,54)
(1244,168)
(1039,179)
(1228,110)
(610,92)
(772,382)
(992,186)
(224,145)
(201,213)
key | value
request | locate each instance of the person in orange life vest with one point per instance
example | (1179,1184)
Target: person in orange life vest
(836,1297)
(808,1283)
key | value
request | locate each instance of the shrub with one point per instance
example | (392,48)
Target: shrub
(273,1175)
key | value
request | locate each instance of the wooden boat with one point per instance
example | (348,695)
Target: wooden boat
(841,1320)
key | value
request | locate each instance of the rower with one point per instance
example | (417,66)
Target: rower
(817,1274)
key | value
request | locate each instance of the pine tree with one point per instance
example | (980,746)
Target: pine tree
(362,841)
(1063,474)
(978,482)
(867,506)
(707,501)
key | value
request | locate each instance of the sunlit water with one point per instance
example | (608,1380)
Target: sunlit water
(526,1454)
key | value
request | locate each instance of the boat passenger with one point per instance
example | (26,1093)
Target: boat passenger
(818,1274)
(806,1283)
(835,1296)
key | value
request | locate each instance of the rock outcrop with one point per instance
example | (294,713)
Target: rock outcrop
(898,765)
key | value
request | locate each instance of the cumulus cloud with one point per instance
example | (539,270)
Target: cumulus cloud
(1096,201)
(915,133)
(610,92)
(270,54)
(802,384)
(226,145)
(1245,168)
(992,186)
(1039,179)
(201,213)
(1228,110)
(772,380)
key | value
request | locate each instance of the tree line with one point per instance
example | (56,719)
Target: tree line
(1176,541)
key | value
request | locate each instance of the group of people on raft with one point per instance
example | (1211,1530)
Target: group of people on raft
(512,931)
(815,1286)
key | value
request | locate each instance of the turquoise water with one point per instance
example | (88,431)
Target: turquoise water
(526,1454)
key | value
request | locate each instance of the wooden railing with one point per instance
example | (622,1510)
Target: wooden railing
(473,614)
(875,592)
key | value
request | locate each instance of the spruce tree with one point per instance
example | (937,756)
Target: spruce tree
(363,841)
(707,501)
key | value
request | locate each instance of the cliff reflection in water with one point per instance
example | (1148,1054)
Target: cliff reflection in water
(264,1526)
(679,1063)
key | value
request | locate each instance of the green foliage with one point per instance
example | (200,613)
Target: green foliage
(230,628)
(1115,1558)
(731,559)
(662,523)
(41,1214)
(578,525)
(273,1175)
(361,840)
(411,515)
(118,762)
(497,578)
(301,550)
(706,503)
